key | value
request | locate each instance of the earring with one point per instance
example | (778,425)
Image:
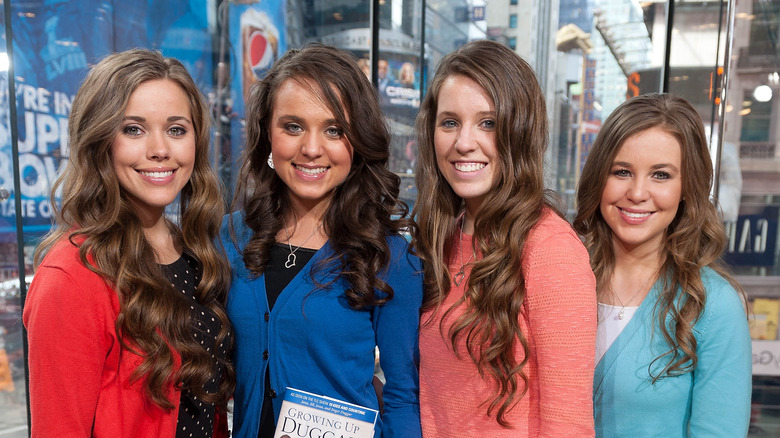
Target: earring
(271,160)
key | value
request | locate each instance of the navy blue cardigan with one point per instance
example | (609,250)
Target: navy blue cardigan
(314,341)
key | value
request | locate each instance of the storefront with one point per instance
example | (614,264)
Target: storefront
(589,56)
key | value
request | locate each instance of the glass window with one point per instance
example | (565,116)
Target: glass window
(13,398)
(589,56)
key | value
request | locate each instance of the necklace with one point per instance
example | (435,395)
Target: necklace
(291,258)
(622,312)
(461,274)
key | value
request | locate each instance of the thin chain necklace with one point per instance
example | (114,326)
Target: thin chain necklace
(461,274)
(622,312)
(291,258)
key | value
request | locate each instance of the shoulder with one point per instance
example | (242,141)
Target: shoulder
(551,226)
(234,232)
(401,255)
(64,256)
(724,308)
(62,283)
(553,238)
(722,299)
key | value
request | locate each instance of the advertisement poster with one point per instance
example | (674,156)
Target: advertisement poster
(55,42)
(257,40)
(399,78)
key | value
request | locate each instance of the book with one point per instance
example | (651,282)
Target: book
(305,414)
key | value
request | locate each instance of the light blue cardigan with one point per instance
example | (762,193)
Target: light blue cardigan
(712,401)
(315,342)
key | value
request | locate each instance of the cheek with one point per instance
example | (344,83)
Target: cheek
(440,151)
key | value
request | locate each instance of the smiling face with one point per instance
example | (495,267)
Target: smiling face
(643,190)
(465,140)
(310,151)
(154,151)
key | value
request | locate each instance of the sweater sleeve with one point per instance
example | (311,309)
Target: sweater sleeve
(561,313)
(70,332)
(396,325)
(722,378)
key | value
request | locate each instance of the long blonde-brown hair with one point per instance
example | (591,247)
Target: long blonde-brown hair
(694,239)
(496,287)
(96,215)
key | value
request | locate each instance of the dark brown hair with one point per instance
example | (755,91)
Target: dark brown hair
(365,207)
(496,286)
(694,239)
(153,317)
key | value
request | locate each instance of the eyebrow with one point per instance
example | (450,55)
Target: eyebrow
(169,119)
(293,118)
(655,166)
(452,114)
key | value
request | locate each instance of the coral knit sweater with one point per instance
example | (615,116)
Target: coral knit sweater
(558,319)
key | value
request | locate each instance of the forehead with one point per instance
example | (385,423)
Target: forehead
(461,90)
(654,145)
(159,95)
(303,94)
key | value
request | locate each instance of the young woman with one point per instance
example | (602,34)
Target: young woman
(673,347)
(508,330)
(126,326)
(321,273)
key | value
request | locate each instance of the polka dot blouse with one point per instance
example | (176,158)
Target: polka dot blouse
(196,417)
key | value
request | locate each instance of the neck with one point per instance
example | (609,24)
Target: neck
(637,256)
(467,222)
(167,250)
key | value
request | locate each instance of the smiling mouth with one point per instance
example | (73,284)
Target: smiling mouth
(156,174)
(310,171)
(635,215)
(469,167)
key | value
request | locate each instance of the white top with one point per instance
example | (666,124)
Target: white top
(610,325)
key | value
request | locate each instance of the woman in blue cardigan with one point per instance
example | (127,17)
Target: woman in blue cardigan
(673,349)
(321,273)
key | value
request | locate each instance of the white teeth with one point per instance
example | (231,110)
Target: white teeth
(635,215)
(309,171)
(470,167)
(157,174)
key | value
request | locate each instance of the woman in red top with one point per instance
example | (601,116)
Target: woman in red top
(127,331)
(508,332)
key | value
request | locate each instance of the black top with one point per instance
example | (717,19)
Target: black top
(196,417)
(277,277)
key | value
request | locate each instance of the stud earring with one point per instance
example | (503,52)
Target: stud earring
(271,160)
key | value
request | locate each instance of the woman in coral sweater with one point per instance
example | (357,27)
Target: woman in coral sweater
(508,332)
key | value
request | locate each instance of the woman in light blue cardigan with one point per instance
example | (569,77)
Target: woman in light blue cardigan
(673,348)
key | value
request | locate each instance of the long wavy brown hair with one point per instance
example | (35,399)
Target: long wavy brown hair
(97,216)
(365,208)
(694,239)
(496,287)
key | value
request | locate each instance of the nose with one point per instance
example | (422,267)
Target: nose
(157,148)
(466,141)
(637,190)
(311,147)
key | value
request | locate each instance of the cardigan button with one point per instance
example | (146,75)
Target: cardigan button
(267,316)
(272,393)
(265,355)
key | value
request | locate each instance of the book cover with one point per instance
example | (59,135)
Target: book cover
(305,414)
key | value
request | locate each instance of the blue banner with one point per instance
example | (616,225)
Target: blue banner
(55,42)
